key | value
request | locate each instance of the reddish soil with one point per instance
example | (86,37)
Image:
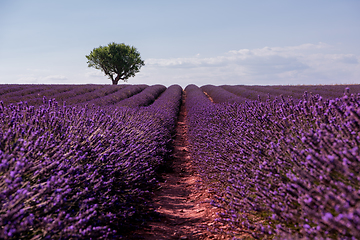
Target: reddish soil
(183,205)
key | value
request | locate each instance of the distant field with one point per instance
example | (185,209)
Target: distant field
(81,161)
(91,93)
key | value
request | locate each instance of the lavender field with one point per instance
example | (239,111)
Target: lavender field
(82,161)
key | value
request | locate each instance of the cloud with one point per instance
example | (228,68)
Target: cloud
(94,74)
(244,56)
(37,70)
(33,78)
(302,64)
(54,78)
(26,79)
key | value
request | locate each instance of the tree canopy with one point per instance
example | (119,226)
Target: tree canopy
(118,61)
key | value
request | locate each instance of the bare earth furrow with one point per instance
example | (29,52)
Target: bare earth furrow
(184,207)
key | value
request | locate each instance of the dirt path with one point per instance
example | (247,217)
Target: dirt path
(184,208)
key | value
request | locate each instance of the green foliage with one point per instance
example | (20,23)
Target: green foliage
(118,61)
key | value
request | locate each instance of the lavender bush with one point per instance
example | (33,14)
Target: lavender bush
(8,88)
(144,98)
(220,95)
(77,90)
(252,92)
(166,107)
(97,94)
(78,172)
(116,97)
(245,92)
(29,90)
(278,168)
(34,97)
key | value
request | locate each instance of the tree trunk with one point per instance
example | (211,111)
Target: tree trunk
(116,80)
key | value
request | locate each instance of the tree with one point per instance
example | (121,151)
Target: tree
(118,61)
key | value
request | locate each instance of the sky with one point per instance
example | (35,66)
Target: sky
(234,42)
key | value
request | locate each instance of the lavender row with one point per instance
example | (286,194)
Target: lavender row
(77,90)
(117,96)
(252,92)
(220,95)
(280,168)
(273,91)
(144,98)
(166,107)
(78,173)
(33,94)
(337,90)
(326,91)
(94,95)
(244,92)
(30,90)
(8,89)
(35,98)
